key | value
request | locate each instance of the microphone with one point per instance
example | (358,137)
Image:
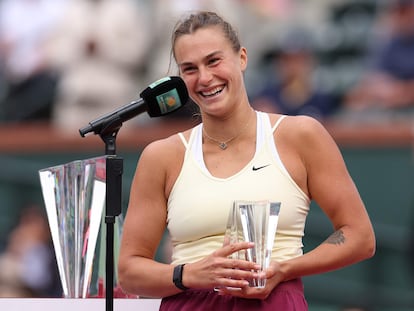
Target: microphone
(160,98)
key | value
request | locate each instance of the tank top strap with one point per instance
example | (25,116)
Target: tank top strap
(270,138)
(194,136)
(184,141)
(277,123)
(265,128)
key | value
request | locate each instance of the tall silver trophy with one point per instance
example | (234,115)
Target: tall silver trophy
(254,221)
(74,196)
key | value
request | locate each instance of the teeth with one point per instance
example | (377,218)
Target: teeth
(212,92)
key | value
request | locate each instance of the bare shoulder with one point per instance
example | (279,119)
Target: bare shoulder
(300,127)
(165,149)
(164,156)
(164,146)
(304,136)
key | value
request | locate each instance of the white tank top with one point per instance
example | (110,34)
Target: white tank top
(199,203)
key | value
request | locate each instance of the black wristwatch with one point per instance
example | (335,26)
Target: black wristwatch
(178,277)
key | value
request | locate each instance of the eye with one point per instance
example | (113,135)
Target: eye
(213,61)
(188,69)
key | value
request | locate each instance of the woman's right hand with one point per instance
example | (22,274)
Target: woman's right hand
(220,270)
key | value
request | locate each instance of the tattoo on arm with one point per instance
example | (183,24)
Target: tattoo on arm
(336,238)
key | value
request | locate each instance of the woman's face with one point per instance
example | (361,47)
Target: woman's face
(211,69)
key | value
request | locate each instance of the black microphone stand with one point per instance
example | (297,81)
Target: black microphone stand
(114,170)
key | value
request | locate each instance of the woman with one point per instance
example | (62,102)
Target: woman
(188,182)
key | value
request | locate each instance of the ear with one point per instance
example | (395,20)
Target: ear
(243,59)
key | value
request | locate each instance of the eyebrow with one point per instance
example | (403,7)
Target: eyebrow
(212,54)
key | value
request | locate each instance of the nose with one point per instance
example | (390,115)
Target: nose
(205,76)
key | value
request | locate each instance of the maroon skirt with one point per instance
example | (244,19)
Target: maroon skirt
(287,296)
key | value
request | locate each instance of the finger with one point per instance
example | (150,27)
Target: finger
(235,278)
(231,248)
(243,292)
(230,285)
(241,274)
(227,241)
(241,265)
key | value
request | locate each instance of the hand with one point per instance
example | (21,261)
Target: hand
(273,278)
(218,270)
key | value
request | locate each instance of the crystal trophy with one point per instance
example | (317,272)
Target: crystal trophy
(254,221)
(74,197)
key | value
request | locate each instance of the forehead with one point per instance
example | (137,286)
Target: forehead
(200,43)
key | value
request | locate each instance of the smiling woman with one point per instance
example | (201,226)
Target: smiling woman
(188,182)
(211,72)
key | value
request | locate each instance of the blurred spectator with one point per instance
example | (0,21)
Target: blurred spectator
(28,83)
(28,267)
(389,81)
(98,48)
(291,86)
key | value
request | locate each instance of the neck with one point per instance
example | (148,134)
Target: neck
(224,131)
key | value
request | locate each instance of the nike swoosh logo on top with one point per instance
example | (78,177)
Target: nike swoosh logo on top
(259,167)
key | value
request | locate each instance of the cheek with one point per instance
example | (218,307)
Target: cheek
(190,82)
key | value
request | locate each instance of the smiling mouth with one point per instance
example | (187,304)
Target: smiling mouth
(215,91)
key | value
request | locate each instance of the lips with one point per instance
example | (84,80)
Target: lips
(212,92)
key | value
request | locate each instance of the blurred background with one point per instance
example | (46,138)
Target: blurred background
(349,63)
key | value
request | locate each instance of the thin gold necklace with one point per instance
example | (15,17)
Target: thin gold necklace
(224,144)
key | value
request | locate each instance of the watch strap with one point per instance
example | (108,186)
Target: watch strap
(178,277)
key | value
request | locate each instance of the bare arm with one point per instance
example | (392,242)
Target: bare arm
(332,188)
(144,226)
